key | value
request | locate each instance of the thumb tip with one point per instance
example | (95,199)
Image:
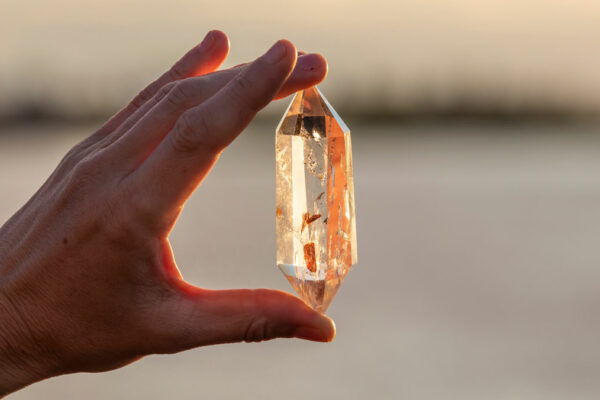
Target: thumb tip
(332,330)
(322,331)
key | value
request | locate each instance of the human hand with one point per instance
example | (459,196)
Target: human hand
(88,281)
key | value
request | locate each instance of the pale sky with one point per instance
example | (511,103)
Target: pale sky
(78,53)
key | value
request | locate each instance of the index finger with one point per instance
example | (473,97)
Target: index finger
(176,167)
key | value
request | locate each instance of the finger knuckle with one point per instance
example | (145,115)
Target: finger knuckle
(81,183)
(246,96)
(86,170)
(75,154)
(242,87)
(257,330)
(178,94)
(177,71)
(146,94)
(164,91)
(189,132)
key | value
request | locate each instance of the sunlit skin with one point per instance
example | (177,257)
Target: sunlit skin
(88,280)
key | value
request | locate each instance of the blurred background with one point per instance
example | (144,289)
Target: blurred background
(476,156)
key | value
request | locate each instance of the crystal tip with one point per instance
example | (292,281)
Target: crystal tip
(317,293)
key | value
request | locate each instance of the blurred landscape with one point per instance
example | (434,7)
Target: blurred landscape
(477,277)
(475,129)
(409,59)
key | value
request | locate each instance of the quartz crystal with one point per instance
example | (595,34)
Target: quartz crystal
(316,231)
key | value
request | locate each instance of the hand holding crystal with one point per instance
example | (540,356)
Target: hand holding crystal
(88,280)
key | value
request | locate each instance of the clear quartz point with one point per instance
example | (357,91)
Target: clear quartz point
(316,229)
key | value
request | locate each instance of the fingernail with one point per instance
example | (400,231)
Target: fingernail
(310,62)
(276,53)
(208,41)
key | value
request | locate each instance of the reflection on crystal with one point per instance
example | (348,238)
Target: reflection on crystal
(316,233)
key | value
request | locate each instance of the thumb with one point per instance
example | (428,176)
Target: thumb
(202,317)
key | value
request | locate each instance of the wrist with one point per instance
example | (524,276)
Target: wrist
(20,365)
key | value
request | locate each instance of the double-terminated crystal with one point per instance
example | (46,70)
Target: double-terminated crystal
(316,231)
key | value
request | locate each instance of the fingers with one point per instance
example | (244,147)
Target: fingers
(310,70)
(219,120)
(202,59)
(175,98)
(203,317)
(174,169)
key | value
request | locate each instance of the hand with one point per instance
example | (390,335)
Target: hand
(88,281)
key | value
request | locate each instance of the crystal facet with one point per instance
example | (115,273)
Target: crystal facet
(316,231)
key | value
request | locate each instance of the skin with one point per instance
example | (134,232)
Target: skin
(88,280)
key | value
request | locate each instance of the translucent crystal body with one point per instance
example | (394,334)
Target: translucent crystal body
(316,231)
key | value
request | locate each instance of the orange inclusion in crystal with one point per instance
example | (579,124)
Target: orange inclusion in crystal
(309,257)
(308,219)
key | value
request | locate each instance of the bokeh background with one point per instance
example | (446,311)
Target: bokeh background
(476,155)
